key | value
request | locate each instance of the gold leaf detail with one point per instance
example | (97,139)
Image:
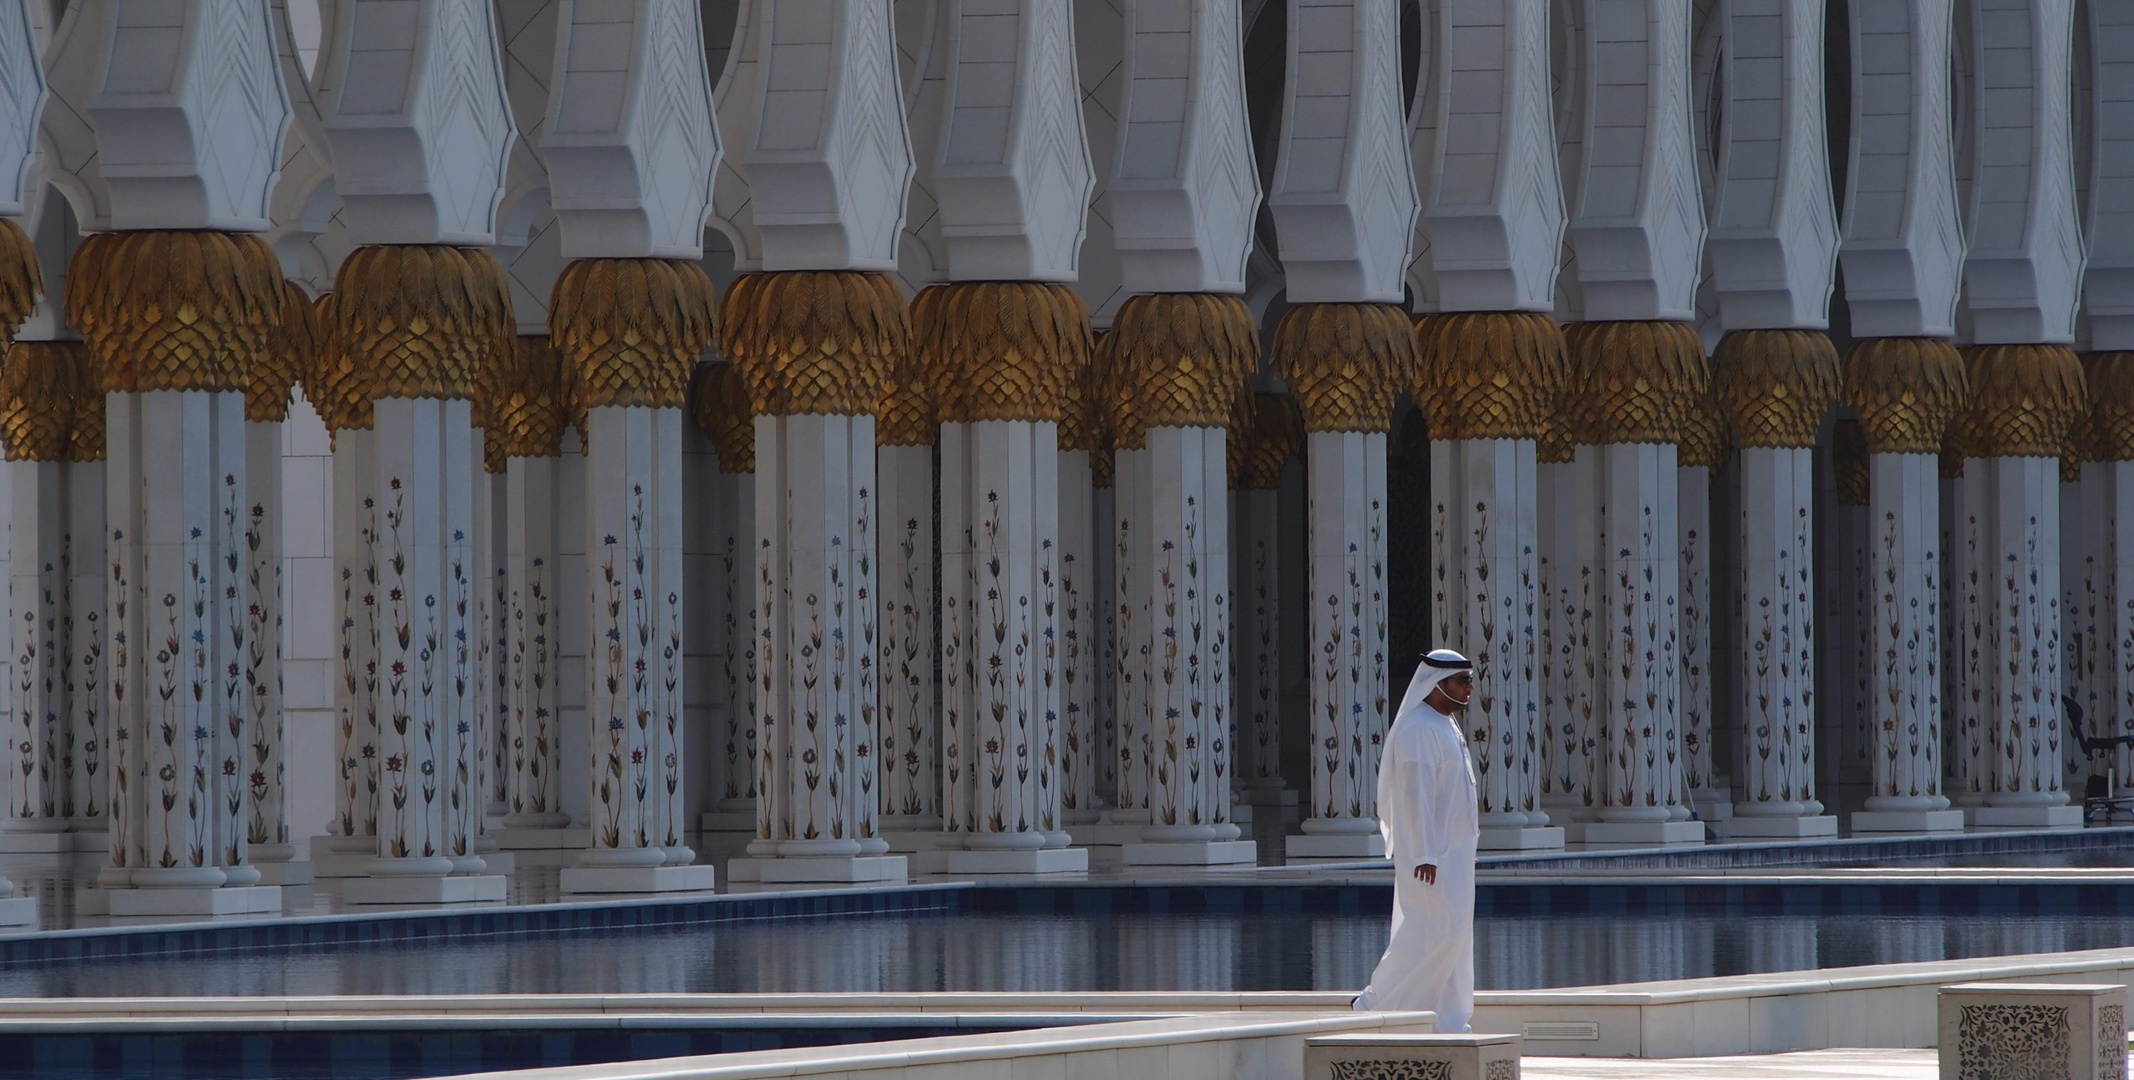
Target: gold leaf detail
(1268,432)
(722,413)
(815,342)
(1347,363)
(21,279)
(2024,398)
(629,331)
(528,412)
(2110,376)
(1179,359)
(1848,461)
(417,320)
(1775,385)
(1488,374)
(176,310)
(1000,350)
(290,354)
(1906,392)
(1631,382)
(40,394)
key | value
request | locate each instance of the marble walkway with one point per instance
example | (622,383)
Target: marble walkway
(1800,1065)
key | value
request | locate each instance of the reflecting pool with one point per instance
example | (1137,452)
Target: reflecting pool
(982,952)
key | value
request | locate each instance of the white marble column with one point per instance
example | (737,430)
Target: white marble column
(534,619)
(1907,391)
(1630,264)
(1773,250)
(1568,513)
(911,710)
(1082,595)
(1973,656)
(1631,386)
(2023,276)
(722,411)
(1693,524)
(1275,437)
(816,518)
(1345,483)
(265,739)
(999,576)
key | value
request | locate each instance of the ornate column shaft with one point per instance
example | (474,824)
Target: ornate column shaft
(1701,453)
(1634,383)
(722,411)
(628,332)
(1084,594)
(1971,655)
(906,430)
(1566,580)
(21,285)
(1774,386)
(1182,357)
(268,387)
(2108,483)
(2024,400)
(1346,363)
(528,418)
(175,445)
(1264,448)
(999,356)
(1906,392)
(815,349)
(51,412)
(416,355)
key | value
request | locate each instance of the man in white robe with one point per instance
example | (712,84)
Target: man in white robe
(1426,807)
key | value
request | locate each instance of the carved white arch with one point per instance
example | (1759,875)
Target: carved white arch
(1632,188)
(412,96)
(1774,232)
(1493,210)
(2023,267)
(1011,169)
(1184,188)
(2108,282)
(1903,245)
(1344,197)
(828,160)
(22,99)
(631,144)
(189,113)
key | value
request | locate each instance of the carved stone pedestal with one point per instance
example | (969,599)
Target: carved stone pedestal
(2043,1030)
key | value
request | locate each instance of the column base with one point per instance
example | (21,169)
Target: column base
(2026,817)
(1042,861)
(1210,853)
(512,839)
(809,870)
(1110,835)
(1344,846)
(14,842)
(335,856)
(472,889)
(1818,826)
(579,880)
(1632,834)
(292,872)
(18,911)
(1712,806)
(241,900)
(1530,838)
(1907,821)
(728,821)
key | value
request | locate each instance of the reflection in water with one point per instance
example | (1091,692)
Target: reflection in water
(1062,952)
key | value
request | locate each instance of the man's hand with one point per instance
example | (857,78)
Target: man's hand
(1426,873)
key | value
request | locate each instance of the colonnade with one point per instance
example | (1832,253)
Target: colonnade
(878,442)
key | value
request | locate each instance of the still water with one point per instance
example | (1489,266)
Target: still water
(924,952)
